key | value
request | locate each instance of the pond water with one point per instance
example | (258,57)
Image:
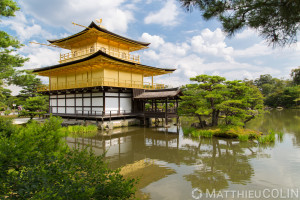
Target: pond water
(172,166)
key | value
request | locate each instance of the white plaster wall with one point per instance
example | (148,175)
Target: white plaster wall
(125,104)
(70,95)
(97,94)
(70,110)
(70,102)
(125,94)
(61,102)
(111,94)
(53,102)
(54,110)
(97,101)
(98,110)
(87,101)
(111,104)
(61,110)
(78,102)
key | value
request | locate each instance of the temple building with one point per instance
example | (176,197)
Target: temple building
(99,78)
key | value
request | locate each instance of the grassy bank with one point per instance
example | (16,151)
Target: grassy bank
(234,132)
(80,131)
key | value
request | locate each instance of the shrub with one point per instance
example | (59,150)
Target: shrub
(188,130)
(7,112)
(267,138)
(81,131)
(243,138)
(36,163)
(203,133)
(6,127)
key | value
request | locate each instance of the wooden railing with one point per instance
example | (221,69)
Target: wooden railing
(75,55)
(101,82)
(160,110)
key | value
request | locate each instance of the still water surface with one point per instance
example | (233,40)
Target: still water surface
(171,166)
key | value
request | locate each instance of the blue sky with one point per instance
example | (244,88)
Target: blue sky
(179,39)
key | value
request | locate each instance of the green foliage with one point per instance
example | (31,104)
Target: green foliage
(188,130)
(34,106)
(29,83)
(9,45)
(81,131)
(243,138)
(277,21)
(8,8)
(295,74)
(277,92)
(7,112)
(203,133)
(213,96)
(269,138)
(36,163)
(6,127)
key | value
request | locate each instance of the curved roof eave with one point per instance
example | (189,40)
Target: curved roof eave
(93,25)
(98,53)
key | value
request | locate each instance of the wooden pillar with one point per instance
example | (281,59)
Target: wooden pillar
(66,103)
(131,79)
(103,102)
(57,103)
(166,114)
(82,103)
(142,80)
(66,84)
(119,102)
(91,102)
(152,82)
(75,103)
(118,76)
(49,82)
(91,75)
(152,105)
(50,105)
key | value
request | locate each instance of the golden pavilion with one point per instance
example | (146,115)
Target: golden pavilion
(99,77)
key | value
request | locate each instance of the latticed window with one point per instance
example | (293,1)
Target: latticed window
(123,55)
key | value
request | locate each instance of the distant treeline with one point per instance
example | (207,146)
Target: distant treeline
(279,92)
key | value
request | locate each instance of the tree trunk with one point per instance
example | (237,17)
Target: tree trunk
(200,121)
(247,120)
(215,117)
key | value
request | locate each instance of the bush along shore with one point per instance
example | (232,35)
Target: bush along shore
(80,131)
(234,133)
(36,163)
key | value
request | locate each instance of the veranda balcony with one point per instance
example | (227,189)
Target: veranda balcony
(75,55)
(102,82)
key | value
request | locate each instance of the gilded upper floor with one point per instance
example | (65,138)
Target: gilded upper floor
(94,38)
(99,57)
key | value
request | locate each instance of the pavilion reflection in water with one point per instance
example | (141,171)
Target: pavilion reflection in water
(207,163)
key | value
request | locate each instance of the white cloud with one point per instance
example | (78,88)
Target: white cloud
(40,56)
(197,55)
(25,29)
(245,34)
(167,16)
(259,49)
(212,43)
(116,16)
(155,40)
